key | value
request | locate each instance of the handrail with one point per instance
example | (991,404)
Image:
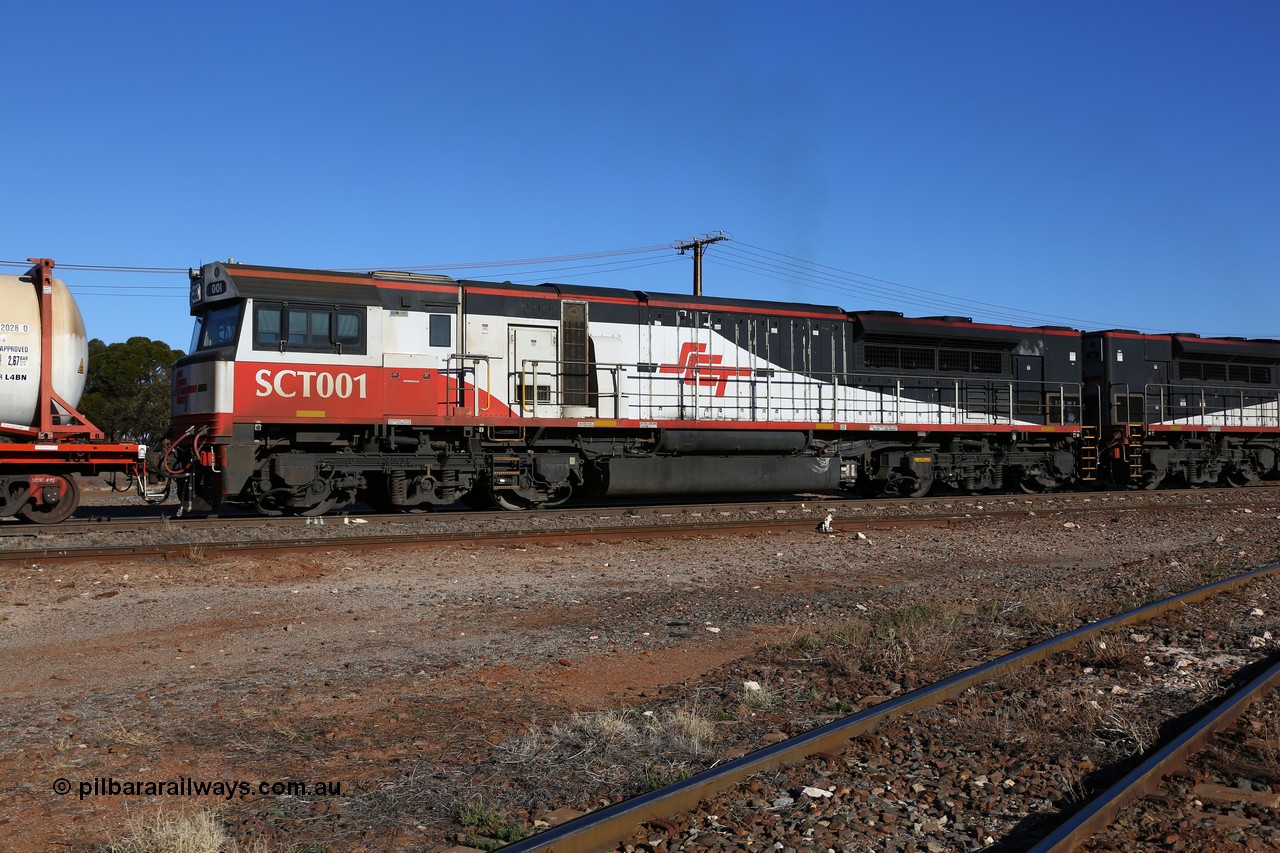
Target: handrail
(692,391)
(1266,411)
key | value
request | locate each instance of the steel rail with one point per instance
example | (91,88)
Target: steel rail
(94,518)
(605,829)
(1147,777)
(207,550)
(591,515)
(319,541)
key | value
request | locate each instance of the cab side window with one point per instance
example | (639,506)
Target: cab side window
(308,328)
(441,331)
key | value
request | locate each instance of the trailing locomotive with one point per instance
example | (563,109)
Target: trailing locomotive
(44,441)
(305,390)
(1179,407)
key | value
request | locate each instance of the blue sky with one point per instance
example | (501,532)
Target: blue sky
(1095,164)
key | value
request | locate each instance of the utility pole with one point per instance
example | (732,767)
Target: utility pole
(698,244)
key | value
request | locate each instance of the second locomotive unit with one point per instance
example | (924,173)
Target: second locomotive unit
(306,390)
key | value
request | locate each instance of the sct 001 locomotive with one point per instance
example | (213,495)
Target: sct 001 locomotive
(306,390)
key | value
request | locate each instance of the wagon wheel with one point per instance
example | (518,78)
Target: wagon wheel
(52,513)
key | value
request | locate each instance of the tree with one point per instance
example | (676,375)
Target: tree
(127,392)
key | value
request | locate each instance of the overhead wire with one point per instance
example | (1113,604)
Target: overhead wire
(653,263)
(733,254)
(551,259)
(870,285)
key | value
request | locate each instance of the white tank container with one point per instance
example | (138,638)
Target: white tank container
(20,349)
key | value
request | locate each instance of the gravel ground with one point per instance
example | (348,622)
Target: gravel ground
(445,688)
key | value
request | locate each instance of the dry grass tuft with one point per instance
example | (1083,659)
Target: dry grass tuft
(195,833)
(125,736)
(615,745)
(1053,609)
(926,637)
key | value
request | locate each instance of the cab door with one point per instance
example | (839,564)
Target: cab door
(535,371)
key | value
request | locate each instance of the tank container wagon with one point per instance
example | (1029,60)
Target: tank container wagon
(44,441)
(305,390)
(1181,408)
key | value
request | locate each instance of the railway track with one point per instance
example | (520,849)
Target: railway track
(258,535)
(419,540)
(441,674)
(610,827)
(114,517)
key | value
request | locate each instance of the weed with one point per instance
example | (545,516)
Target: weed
(1130,730)
(765,698)
(808,642)
(606,745)
(1212,572)
(195,833)
(918,635)
(1111,652)
(293,735)
(683,730)
(1052,608)
(495,827)
(479,815)
(122,735)
(660,777)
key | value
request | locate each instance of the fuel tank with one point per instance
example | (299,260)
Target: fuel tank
(710,475)
(20,358)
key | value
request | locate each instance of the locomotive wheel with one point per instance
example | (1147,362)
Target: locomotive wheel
(315,509)
(922,488)
(1151,479)
(1240,477)
(512,501)
(478,498)
(558,498)
(54,513)
(908,487)
(518,501)
(1038,484)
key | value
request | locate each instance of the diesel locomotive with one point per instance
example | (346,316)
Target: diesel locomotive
(306,390)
